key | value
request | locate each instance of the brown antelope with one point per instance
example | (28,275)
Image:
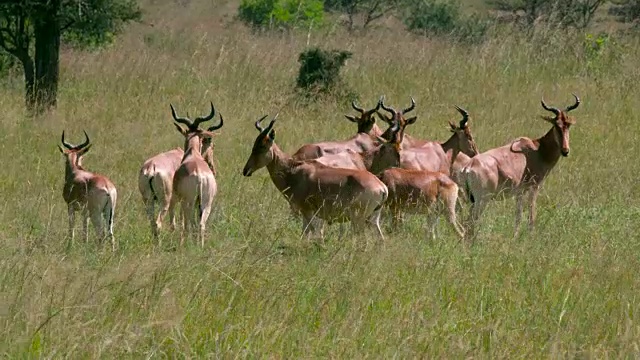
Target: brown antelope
(398,116)
(517,168)
(332,194)
(92,194)
(194,183)
(155,182)
(364,140)
(413,191)
(437,156)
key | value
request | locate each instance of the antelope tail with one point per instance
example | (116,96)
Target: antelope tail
(153,192)
(467,188)
(199,200)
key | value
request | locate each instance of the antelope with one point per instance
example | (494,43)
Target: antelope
(398,116)
(92,194)
(362,141)
(413,191)
(517,168)
(334,195)
(442,157)
(194,182)
(155,182)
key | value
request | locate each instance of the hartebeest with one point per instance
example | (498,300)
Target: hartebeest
(413,191)
(155,182)
(194,183)
(517,168)
(399,117)
(437,156)
(92,194)
(332,194)
(364,139)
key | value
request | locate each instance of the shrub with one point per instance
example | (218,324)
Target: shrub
(438,18)
(280,14)
(320,69)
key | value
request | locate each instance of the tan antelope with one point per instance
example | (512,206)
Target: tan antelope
(364,139)
(92,194)
(399,117)
(517,168)
(155,182)
(437,156)
(332,194)
(429,193)
(194,183)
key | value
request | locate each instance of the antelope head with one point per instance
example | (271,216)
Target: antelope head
(463,136)
(398,116)
(261,153)
(561,123)
(388,153)
(193,132)
(366,120)
(74,153)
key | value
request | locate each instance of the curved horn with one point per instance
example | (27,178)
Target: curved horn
(216,127)
(465,116)
(569,108)
(411,107)
(257,124)
(86,141)
(66,144)
(548,108)
(181,120)
(388,109)
(268,129)
(202,119)
(356,107)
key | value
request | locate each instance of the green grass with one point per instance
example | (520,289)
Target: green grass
(257,289)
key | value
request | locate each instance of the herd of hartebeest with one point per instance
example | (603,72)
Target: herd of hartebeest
(335,181)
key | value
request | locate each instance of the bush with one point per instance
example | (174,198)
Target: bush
(438,18)
(281,14)
(319,74)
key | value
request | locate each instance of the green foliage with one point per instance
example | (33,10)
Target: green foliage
(7,62)
(626,10)
(371,10)
(97,22)
(443,18)
(281,14)
(320,69)
(601,53)
(565,13)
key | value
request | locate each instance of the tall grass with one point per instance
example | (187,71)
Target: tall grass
(257,289)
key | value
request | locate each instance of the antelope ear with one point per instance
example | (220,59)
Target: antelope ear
(384,118)
(381,139)
(180,129)
(351,118)
(84,150)
(452,126)
(272,135)
(548,119)
(411,120)
(61,149)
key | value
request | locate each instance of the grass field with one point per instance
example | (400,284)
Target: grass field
(258,290)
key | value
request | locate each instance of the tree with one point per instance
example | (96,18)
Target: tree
(32,30)
(564,13)
(371,10)
(626,10)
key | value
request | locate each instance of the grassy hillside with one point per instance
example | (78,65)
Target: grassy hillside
(257,289)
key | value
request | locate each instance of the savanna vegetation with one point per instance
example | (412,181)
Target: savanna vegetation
(257,289)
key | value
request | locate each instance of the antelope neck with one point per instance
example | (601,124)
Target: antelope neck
(550,145)
(279,166)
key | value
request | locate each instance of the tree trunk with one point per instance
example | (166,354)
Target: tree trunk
(47,57)
(29,82)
